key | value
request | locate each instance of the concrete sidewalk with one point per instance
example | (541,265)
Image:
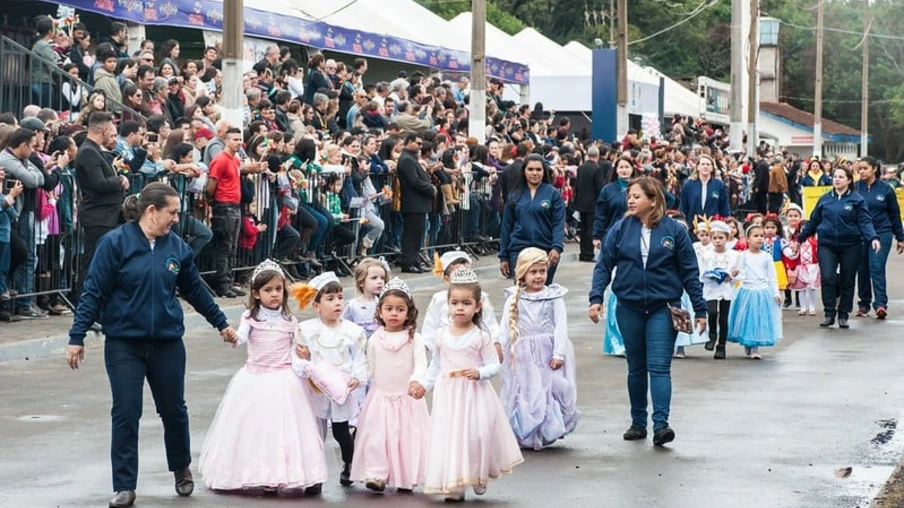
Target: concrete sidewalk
(28,340)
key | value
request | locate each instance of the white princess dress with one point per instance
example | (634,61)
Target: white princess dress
(265,433)
(438,317)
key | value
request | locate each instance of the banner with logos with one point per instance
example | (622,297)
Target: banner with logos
(208,15)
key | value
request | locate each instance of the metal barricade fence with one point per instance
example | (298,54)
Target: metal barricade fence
(51,241)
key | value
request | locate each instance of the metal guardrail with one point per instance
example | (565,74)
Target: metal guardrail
(18,64)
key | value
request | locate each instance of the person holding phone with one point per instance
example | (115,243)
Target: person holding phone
(8,214)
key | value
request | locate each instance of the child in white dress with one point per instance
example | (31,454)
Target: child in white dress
(339,343)
(437,315)
(265,433)
(470,437)
(539,391)
(717,272)
(370,276)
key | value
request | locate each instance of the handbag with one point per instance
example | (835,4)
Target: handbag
(681,320)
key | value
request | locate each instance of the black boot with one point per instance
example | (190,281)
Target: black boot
(843,322)
(635,433)
(829,321)
(314,490)
(710,345)
(720,353)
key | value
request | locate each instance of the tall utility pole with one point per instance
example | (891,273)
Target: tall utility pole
(864,104)
(611,23)
(736,111)
(753,103)
(817,108)
(477,122)
(233,32)
(622,68)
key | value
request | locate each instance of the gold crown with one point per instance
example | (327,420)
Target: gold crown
(463,276)
(397,284)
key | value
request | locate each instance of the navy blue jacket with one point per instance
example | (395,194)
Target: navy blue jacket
(537,222)
(716,199)
(131,289)
(807,180)
(611,205)
(883,207)
(671,267)
(840,221)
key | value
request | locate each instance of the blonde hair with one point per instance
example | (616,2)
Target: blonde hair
(361,272)
(526,259)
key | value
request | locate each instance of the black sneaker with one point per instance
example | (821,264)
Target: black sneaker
(843,323)
(663,436)
(226,294)
(635,433)
(31,312)
(314,490)
(829,321)
(238,291)
(185,484)
(720,353)
(710,345)
(345,478)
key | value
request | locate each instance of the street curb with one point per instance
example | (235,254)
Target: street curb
(892,494)
(31,349)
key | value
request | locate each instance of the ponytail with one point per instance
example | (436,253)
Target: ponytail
(156,194)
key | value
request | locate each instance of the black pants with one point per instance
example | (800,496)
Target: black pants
(838,290)
(286,241)
(760,200)
(412,238)
(717,312)
(225,224)
(342,434)
(775,200)
(128,363)
(92,236)
(586,234)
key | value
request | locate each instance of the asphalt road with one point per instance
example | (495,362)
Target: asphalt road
(772,433)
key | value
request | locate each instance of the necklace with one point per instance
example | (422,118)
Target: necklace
(338,348)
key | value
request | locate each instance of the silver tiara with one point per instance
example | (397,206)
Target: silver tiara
(397,284)
(463,276)
(266,266)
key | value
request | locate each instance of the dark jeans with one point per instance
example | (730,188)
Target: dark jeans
(717,312)
(25,275)
(42,95)
(649,344)
(550,271)
(412,238)
(92,235)
(838,291)
(286,241)
(871,273)
(586,234)
(196,233)
(128,363)
(225,224)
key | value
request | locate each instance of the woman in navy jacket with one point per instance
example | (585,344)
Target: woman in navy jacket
(886,217)
(842,224)
(131,288)
(704,195)
(611,203)
(534,216)
(656,264)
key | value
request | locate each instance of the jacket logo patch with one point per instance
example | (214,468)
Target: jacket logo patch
(545,204)
(848,208)
(668,242)
(172,265)
(715,195)
(880,198)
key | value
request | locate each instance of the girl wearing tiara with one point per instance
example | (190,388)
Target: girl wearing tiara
(717,272)
(438,311)
(392,440)
(265,433)
(805,277)
(470,437)
(538,376)
(755,317)
(370,276)
(332,352)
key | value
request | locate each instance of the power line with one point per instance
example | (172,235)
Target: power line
(840,101)
(839,30)
(700,8)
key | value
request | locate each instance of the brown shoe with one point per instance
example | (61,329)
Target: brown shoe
(123,499)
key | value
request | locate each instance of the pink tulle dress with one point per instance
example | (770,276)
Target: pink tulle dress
(265,433)
(470,437)
(393,428)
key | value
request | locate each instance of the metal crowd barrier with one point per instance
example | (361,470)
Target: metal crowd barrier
(57,239)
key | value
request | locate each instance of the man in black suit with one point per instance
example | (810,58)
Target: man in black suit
(418,192)
(102,189)
(590,180)
(513,174)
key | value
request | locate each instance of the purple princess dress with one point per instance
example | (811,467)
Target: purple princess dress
(540,402)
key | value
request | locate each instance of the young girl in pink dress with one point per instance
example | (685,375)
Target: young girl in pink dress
(265,434)
(470,437)
(394,431)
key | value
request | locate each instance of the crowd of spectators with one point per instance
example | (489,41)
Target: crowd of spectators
(327,166)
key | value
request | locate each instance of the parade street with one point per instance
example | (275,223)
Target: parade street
(772,433)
